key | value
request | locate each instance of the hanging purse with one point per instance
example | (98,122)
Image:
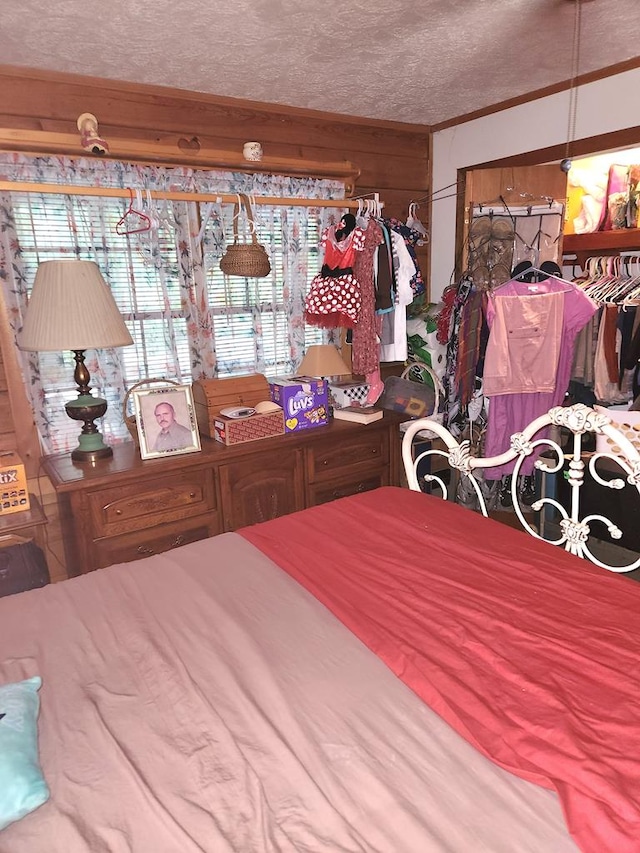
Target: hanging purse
(249,260)
(415,393)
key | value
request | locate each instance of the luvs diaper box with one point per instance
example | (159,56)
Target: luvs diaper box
(304,400)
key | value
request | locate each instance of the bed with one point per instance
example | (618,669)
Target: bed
(388,672)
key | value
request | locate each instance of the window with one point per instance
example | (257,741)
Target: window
(177,303)
(249,315)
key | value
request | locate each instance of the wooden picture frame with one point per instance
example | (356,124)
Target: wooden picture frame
(166,421)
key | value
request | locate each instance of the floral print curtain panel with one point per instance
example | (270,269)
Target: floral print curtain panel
(180,310)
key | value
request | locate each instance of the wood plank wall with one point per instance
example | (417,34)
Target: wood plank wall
(393,159)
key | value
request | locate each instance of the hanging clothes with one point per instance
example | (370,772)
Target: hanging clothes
(411,238)
(585,347)
(365,340)
(365,349)
(335,294)
(386,287)
(524,344)
(607,360)
(393,340)
(510,413)
(606,385)
(454,298)
(468,354)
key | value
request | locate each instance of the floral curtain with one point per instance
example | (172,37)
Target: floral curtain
(160,277)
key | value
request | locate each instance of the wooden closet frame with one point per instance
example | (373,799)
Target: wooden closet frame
(583,245)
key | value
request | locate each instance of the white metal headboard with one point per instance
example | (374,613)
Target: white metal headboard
(579,420)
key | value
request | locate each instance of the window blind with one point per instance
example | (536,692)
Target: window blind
(251,318)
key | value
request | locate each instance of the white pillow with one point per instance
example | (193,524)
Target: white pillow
(627,422)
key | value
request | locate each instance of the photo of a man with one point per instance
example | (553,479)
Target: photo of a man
(173,435)
(165,420)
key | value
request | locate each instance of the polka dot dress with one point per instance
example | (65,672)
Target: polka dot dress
(335,295)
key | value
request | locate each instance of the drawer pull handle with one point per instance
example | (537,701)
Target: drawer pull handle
(118,512)
(149,552)
(179,540)
(325,462)
(192,494)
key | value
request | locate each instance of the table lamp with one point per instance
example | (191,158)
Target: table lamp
(72,308)
(323,360)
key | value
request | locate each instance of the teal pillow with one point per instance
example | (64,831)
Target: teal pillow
(22,785)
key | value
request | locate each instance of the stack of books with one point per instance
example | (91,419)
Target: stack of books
(359,414)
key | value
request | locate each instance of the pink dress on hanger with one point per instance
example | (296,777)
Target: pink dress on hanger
(524,344)
(510,413)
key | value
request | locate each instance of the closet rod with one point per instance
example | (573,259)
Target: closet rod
(223,198)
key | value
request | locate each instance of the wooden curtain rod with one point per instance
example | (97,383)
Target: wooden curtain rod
(222,198)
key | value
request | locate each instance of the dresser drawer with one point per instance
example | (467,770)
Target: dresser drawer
(136,506)
(358,454)
(326,492)
(146,543)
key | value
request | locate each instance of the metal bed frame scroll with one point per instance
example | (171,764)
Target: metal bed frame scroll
(579,420)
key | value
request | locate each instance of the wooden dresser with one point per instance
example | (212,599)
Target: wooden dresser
(123,508)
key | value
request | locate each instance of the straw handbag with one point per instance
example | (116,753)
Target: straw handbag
(249,260)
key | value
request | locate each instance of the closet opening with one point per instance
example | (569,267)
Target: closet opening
(587,221)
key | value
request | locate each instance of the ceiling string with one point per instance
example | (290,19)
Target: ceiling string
(573,89)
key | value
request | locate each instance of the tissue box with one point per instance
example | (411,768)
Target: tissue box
(14,496)
(348,393)
(238,430)
(304,400)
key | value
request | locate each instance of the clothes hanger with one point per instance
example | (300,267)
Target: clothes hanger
(413,221)
(547,269)
(619,283)
(601,285)
(133,221)
(154,218)
(362,218)
(628,297)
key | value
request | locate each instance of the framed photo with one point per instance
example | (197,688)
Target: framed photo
(166,421)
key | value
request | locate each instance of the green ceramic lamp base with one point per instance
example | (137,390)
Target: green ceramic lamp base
(91,446)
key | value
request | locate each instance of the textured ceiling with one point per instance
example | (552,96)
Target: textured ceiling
(420,61)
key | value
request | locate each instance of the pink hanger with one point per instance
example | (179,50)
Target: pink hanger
(133,221)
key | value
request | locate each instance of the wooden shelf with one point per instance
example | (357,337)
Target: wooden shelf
(602,242)
(32,517)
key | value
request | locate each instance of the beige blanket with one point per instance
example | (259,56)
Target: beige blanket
(202,701)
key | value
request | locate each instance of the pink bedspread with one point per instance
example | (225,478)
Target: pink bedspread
(533,655)
(201,701)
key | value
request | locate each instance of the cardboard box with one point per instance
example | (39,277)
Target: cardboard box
(304,400)
(14,496)
(348,393)
(238,430)
(211,395)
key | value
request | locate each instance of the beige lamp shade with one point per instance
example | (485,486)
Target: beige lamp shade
(323,360)
(71,308)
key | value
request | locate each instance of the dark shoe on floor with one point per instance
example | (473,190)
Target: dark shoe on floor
(527,490)
(505,492)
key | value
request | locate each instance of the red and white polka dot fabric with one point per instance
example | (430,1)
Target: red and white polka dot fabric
(335,295)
